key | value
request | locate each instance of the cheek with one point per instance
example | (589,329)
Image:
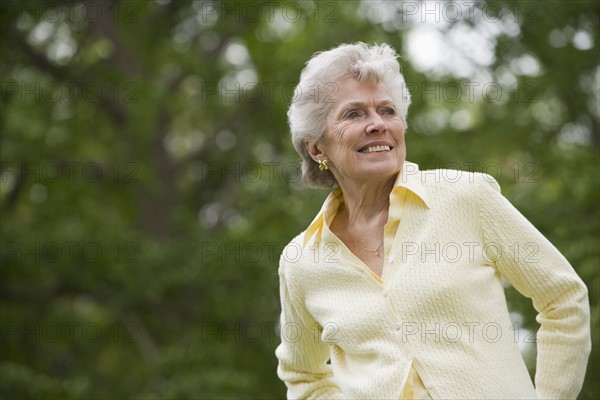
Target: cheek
(400,132)
(339,140)
(342,148)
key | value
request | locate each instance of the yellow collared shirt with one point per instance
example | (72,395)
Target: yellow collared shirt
(436,324)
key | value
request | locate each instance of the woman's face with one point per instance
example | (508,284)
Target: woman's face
(364,139)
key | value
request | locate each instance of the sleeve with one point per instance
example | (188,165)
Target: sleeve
(302,355)
(539,271)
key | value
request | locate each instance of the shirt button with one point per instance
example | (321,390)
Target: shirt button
(428,385)
(398,326)
(410,355)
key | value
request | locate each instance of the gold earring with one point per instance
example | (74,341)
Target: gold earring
(323,165)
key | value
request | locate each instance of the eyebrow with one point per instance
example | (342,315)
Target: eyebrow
(361,104)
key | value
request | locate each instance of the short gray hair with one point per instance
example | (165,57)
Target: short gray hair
(311,103)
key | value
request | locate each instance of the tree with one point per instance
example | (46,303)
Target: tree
(149,182)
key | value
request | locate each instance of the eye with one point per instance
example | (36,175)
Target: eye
(352,114)
(388,111)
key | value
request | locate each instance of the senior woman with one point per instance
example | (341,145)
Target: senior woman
(395,288)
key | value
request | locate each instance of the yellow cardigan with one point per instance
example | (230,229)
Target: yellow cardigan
(439,307)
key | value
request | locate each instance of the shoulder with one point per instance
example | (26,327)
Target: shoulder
(292,252)
(453,181)
(295,266)
(450,188)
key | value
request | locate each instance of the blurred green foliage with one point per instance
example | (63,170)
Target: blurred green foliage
(149,182)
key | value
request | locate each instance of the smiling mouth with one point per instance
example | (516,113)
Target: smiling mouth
(375,149)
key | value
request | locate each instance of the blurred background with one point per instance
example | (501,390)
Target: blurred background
(148,181)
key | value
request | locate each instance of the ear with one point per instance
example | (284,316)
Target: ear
(314,150)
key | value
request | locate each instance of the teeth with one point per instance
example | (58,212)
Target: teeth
(376,148)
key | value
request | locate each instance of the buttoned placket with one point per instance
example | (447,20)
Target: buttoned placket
(391,270)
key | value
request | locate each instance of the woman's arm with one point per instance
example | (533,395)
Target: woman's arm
(537,270)
(302,355)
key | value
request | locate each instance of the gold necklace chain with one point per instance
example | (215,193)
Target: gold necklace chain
(376,251)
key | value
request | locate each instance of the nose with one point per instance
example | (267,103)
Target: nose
(376,124)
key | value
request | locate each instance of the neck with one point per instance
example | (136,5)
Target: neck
(367,203)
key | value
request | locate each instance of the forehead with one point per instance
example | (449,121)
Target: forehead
(350,91)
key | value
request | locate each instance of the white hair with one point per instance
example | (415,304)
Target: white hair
(318,82)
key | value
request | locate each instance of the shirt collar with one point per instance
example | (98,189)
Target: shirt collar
(411,179)
(408,178)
